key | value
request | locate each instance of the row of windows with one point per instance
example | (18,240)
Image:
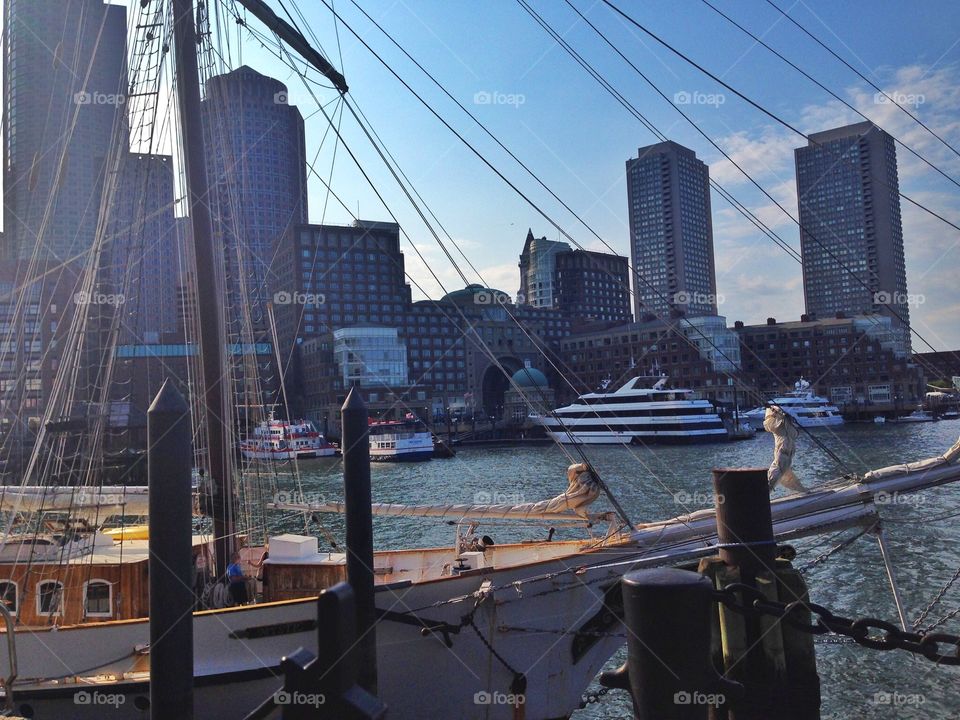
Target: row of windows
(97,597)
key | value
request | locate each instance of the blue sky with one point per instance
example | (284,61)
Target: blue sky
(576,137)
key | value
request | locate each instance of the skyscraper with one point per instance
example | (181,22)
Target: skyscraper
(671,232)
(256,164)
(144,247)
(64,85)
(851,235)
(538,264)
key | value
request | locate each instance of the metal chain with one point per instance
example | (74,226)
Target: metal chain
(949,616)
(589,698)
(862,630)
(550,631)
(823,557)
(936,600)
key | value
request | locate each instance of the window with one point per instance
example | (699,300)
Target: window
(8,595)
(49,598)
(96,599)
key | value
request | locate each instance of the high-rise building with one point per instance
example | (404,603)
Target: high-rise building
(592,286)
(64,102)
(256,165)
(851,235)
(671,232)
(144,248)
(538,263)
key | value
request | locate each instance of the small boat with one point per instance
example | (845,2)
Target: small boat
(917,416)
(275,439)
(400,440)
(950,415)
(634,413)
(807,409)
(879,420)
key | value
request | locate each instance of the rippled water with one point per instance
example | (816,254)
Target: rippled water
(649,482)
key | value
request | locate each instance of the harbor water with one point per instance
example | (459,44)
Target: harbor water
(657,482)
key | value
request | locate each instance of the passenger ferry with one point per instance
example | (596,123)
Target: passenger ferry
(634,413)
(400,440)
(275,439)
(807,409)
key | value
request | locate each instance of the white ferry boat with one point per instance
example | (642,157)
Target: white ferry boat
(275,439)
(634,413)
(807,410)
(400,440)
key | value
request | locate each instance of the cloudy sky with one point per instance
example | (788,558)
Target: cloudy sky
(496,60)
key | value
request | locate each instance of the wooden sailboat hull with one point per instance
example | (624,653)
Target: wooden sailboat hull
(558,626)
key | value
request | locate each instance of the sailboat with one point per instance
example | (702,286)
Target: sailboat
(455,623)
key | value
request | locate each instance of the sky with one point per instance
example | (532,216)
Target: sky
(561,123)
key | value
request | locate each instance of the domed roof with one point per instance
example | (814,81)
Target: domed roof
(477,295)
(529,377)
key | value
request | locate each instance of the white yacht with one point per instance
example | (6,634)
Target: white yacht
(807,409)
(400,440)
(635,413)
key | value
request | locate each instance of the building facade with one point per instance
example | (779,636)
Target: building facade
(538,263)
(64,124)
(671,232)
(851,234)
(256,168)
(851,361)
(592,286)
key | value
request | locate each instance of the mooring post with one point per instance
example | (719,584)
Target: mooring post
(775,664)
(359,535)
(669,672)
(169,457)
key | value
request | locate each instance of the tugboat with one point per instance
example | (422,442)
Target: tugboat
(275,439)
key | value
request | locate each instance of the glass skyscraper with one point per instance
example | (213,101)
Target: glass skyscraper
(64,87)
(671,232)
(851,234)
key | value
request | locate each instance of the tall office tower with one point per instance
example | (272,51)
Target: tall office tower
(671,232)
(256,164)
(538,263)
(64,85)
(592,286)
(145,248)
(851,235)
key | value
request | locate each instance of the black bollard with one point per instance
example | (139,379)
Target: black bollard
(668,615)
(169,458)
(744,522)
(359,535)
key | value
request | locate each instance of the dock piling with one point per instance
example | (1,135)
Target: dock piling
(359,533)
(170,566)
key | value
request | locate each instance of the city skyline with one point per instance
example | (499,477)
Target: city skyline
(583,165)
(579,152)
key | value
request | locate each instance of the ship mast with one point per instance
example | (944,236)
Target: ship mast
(208,302)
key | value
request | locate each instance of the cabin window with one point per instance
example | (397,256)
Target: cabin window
(8,595)
(50,598)
(96,599)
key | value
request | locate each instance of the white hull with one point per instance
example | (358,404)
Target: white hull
(572,437)
(558,596)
